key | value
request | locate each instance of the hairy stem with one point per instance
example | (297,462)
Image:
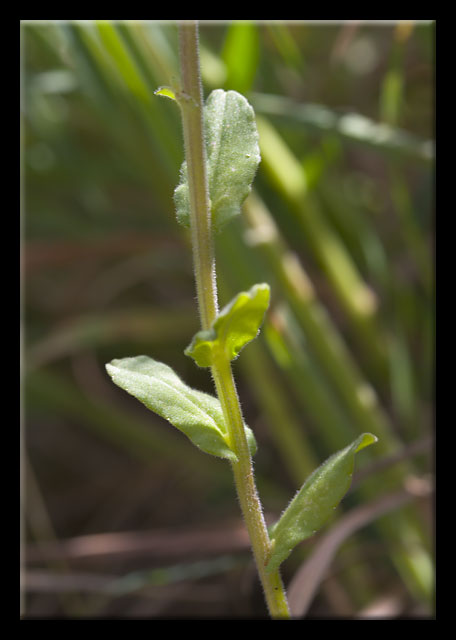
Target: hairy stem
(191,102)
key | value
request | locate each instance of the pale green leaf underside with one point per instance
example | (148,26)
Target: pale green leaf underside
(237,324)
(198,415)
(315,501)
(233,155)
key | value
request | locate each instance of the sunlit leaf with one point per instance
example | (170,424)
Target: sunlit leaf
(198,415)
(236,325)
(167,92)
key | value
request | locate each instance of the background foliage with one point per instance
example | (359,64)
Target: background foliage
(122,517)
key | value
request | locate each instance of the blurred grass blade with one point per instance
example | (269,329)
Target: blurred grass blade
(286,45)
(124,62)
(350,127)
(323,337)
(287,174)
(240,54)
(356,298)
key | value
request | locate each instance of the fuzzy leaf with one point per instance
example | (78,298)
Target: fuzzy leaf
(315,501)
(237,324)
(198,415)
(233,155)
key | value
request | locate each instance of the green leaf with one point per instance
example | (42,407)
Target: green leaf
(233,155)
(198,415)
(237,324)
(315,501)
(167,92)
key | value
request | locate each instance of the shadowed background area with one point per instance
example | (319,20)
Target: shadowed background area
(122,516)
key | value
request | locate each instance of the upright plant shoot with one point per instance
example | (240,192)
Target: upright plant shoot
(221,157)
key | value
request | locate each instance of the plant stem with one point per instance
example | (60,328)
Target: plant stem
(246,489)
(191,102)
